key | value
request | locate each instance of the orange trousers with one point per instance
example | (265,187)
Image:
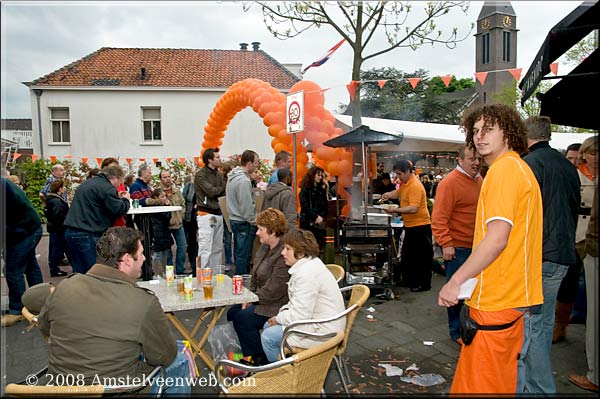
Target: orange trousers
(489,364)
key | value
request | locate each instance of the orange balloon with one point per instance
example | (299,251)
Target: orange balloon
(312,92)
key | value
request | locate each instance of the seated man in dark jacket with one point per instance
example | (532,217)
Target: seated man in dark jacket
(56,210)
(101,325)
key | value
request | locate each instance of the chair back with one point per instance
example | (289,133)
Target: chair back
(359,295)
(44,391)
(303,373)
(337,271)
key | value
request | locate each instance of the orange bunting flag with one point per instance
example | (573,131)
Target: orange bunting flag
(414,82)
(16,156)
(155,160)
(446,79)
(516,73)
(196,160)
(53,158)
(128,160)
(169,159)
(181,160)
(84,159)
(352,89)
(480,76)
(381,83)
(142,159)
(34,157)
(99,160)
(554,68)
(68,156)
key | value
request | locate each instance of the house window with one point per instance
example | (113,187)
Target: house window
(485,55)
(61,129)
(151,124)
(506,46)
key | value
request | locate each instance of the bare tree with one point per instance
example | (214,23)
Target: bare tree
(359,21)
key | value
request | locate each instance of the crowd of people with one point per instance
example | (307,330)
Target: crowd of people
(524,231)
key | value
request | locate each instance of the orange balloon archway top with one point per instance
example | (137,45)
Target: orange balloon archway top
(270,105)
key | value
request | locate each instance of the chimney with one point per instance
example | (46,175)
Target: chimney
(244,46)
(255,46)
(143,73)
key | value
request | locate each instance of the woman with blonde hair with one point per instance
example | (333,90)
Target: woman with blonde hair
(313,294)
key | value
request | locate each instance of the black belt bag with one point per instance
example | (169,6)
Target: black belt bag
(469,327)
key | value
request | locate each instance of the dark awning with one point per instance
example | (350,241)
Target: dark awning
(363,134)
(564,35)
(570,101)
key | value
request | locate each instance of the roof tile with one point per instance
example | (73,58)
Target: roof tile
(169,68)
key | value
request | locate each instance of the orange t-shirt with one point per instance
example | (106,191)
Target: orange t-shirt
(511,193)
(413,193)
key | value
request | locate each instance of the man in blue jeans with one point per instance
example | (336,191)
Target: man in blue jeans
(559,184)
(22,234)
(242,210)
(453,221)
(94,209)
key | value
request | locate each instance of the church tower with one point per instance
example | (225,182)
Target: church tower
(495,47)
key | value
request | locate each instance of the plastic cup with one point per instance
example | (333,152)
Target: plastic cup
(220,271)
(208,291)
(180,284)
(246,279)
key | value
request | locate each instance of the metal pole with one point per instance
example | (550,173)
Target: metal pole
(295,168)
(365,188)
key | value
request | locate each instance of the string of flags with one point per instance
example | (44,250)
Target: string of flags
(129,160)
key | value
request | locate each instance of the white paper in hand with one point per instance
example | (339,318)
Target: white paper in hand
(466,289)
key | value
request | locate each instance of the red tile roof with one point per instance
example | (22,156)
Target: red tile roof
(169,68)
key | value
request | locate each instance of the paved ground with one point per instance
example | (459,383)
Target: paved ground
(395,336)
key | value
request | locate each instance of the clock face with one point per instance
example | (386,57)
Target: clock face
(506,21)
(485,24)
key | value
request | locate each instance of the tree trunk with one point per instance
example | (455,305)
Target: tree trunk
(356,64)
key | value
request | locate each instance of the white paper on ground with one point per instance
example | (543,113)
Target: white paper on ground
(412,367)
(466,289)
(391,371)
(371,309)
(424,380)
(428,343)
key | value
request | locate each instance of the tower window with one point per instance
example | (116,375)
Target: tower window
(485,48)
(506,46)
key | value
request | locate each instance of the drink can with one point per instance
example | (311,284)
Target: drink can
(170,274)
(206,275)
(237,285)
(188,287)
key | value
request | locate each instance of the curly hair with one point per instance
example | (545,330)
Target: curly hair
(508,120)
(308,180)
(303,242)
(273,220)
(115,243)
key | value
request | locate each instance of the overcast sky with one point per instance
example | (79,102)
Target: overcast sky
(40,37)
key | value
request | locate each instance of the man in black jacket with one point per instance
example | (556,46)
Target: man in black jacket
(559,185)
(95,207)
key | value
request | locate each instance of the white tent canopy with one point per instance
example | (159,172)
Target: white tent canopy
(434,137)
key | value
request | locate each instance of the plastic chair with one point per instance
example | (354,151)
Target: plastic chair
(302,373)
(359,295)
(337,271)
(23,389)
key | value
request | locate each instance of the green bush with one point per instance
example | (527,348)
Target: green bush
(33,177)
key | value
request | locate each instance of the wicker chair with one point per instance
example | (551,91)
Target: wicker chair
(359,295)
(24,389)
(301,374)
(337,271)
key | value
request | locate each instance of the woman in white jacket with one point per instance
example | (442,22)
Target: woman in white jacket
(313,294)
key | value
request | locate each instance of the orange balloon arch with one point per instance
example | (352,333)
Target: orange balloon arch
(270,105)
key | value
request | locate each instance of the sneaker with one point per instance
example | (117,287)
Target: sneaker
(59,274)
(10,319)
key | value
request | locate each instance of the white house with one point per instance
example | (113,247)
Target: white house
(145,102)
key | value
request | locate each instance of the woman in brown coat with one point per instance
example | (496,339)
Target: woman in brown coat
(269,282)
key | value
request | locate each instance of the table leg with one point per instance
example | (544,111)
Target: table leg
(145,226)
(198,346)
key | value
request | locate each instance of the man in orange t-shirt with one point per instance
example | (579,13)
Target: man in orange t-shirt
(453,220)
(506,257)
(417,247)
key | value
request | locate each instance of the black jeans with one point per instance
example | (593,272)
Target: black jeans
(417,256)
